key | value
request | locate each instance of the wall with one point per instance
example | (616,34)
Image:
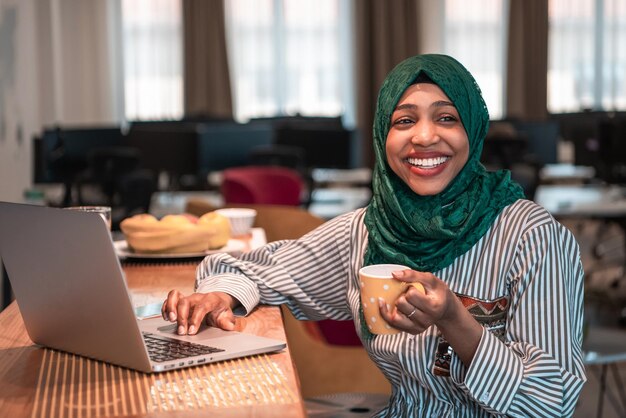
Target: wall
(18,103)
(60,63)
(431,21)
(84,62)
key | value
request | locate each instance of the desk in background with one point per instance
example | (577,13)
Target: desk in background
(583,200)
(357,177)
(586,201)
(605,206)
(326,203)
(37,382)
(566,173)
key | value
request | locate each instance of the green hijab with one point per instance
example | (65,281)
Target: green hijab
(427,233)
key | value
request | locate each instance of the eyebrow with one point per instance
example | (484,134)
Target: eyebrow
(438,103)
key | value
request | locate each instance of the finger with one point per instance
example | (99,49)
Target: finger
(164,310)
(408,313)
(226,320)
(418,279)
(395,318)
(386,311)
(221,317)
(406,302)
(170,304)
(199,312)
(183,314)
(416,297)
(403,275)
(414,324)
(405,307)
(409,318)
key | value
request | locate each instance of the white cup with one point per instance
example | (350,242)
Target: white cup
(241,220)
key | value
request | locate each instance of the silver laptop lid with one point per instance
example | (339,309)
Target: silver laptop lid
(69,284)
(72,293)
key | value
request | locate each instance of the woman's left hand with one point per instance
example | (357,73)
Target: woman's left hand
(415,311)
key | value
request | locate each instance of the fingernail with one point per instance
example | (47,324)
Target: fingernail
(398,273)
(172,316)
(381,302)
(181,330)
(192,329)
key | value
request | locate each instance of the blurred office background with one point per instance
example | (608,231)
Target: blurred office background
(69,64)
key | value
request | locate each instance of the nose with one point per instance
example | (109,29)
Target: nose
(425,133)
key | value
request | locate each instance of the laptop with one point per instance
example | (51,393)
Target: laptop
(72,294)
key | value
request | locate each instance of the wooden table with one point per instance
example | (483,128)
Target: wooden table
(37,382)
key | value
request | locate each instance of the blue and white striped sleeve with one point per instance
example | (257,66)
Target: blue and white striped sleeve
(538,370)
(309,275)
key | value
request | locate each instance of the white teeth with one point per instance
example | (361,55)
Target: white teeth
(427,162)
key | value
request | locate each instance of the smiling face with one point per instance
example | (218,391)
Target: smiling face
(427,145)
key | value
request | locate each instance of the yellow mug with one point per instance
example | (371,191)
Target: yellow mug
(377,282)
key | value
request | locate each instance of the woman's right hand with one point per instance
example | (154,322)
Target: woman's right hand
(189,311)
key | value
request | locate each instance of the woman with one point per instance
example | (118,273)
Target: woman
(499,329)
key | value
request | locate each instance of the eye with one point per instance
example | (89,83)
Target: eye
(447,118)
(402,121)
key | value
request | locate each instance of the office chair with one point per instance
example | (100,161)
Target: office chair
(285,156)
(262,185)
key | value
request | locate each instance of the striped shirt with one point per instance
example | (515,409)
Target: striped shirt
(534,370)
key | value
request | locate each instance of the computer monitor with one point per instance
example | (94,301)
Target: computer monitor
(323,147)
(170,148)
(542,138)
(580,129)
(61,153)
(224,145)
(300,121)
(611,166)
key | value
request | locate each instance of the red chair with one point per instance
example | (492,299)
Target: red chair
(269,185)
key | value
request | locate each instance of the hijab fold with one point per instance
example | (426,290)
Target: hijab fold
(426,233)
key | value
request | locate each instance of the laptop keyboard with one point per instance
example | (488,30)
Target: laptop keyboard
(162,348)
